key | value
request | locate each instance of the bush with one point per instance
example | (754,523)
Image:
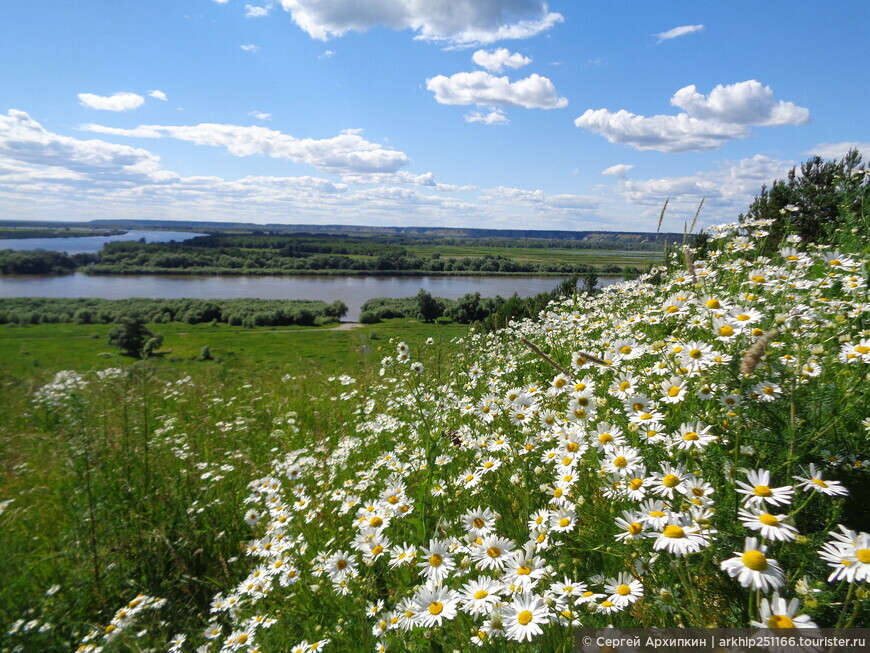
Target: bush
(369,317)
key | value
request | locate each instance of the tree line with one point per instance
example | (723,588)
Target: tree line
(235,312)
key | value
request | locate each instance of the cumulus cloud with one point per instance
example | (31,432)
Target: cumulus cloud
(708,121)
(255,11)
(540,201)
(728,189)
(259,115)
(158,95)
(457,22)
(347,152)
(744,103)
(481,88)
(116,102)
(250,47)
(619,170)
(497,60)
(493,117)
(25,141)
(678,31)
(839,150)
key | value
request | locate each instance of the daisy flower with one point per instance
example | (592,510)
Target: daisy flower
(681,536)
(776,613)
(522,619)
(630,526)
(813,482)
(479,596)
(623,589)
(848,554)
(667,481)
(435,604)
(753,569)
(758,491)
(437,562)
(771,527)
(493,552)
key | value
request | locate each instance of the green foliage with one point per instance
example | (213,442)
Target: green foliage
(131,335)
(37,261)
(236,312)
(823,201)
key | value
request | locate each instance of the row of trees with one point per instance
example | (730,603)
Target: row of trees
(235,312)
(491,312)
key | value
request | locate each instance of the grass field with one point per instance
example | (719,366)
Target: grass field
(44,349)
(598,257)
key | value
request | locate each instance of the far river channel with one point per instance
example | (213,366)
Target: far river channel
(352,290)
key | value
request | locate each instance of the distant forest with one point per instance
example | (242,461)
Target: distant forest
(308,253)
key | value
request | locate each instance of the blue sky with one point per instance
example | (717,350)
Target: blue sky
(480,113)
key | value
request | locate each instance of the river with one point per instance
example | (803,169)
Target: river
(92,244)
(353,291)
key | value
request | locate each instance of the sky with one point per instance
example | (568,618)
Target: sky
(515,114)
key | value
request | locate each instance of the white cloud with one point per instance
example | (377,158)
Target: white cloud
(158,95)
(254,11)
(481,88)
(708,122)
(220,2)
(678,31)
(259,115)
(619,170)
(250,47)
(116,102)
(347,152)
(402,177)
(497,60)
(728,190)
(744,103)
(458,22)
(541,202)
(839,150)
(494,117)
(25,141)
(327,54)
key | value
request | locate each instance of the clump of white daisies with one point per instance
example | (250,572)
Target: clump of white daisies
(686,449)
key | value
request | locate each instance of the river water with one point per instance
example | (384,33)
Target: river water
(353,291)
(92,244)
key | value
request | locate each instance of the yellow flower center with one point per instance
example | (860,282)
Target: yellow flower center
(763,491)
(862,349)
(674,531)
(623,590)
(819,482)
(768,520)
(758,279)
(524,571)
(690,436)
(564,522)
(645,416)
(670,480)
(376,522)
(493,552)
(341,564)
(481,594)
(435,560)
(713,303)
(673,391)
(635,483)
(604,438)
(393,499)
(620,461)
(726,331)
(572,447)
(606,604)
(625,385)
(625,349)
(835,262)
(779,621)
(754,560)
(478,522)
(377,550)
(524,617)
(558,492)
(436,607)
(634,528)
(656,513)
(671,309)
(567,460)
(863,556)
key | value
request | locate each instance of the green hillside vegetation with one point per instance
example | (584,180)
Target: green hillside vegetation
(688,449)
